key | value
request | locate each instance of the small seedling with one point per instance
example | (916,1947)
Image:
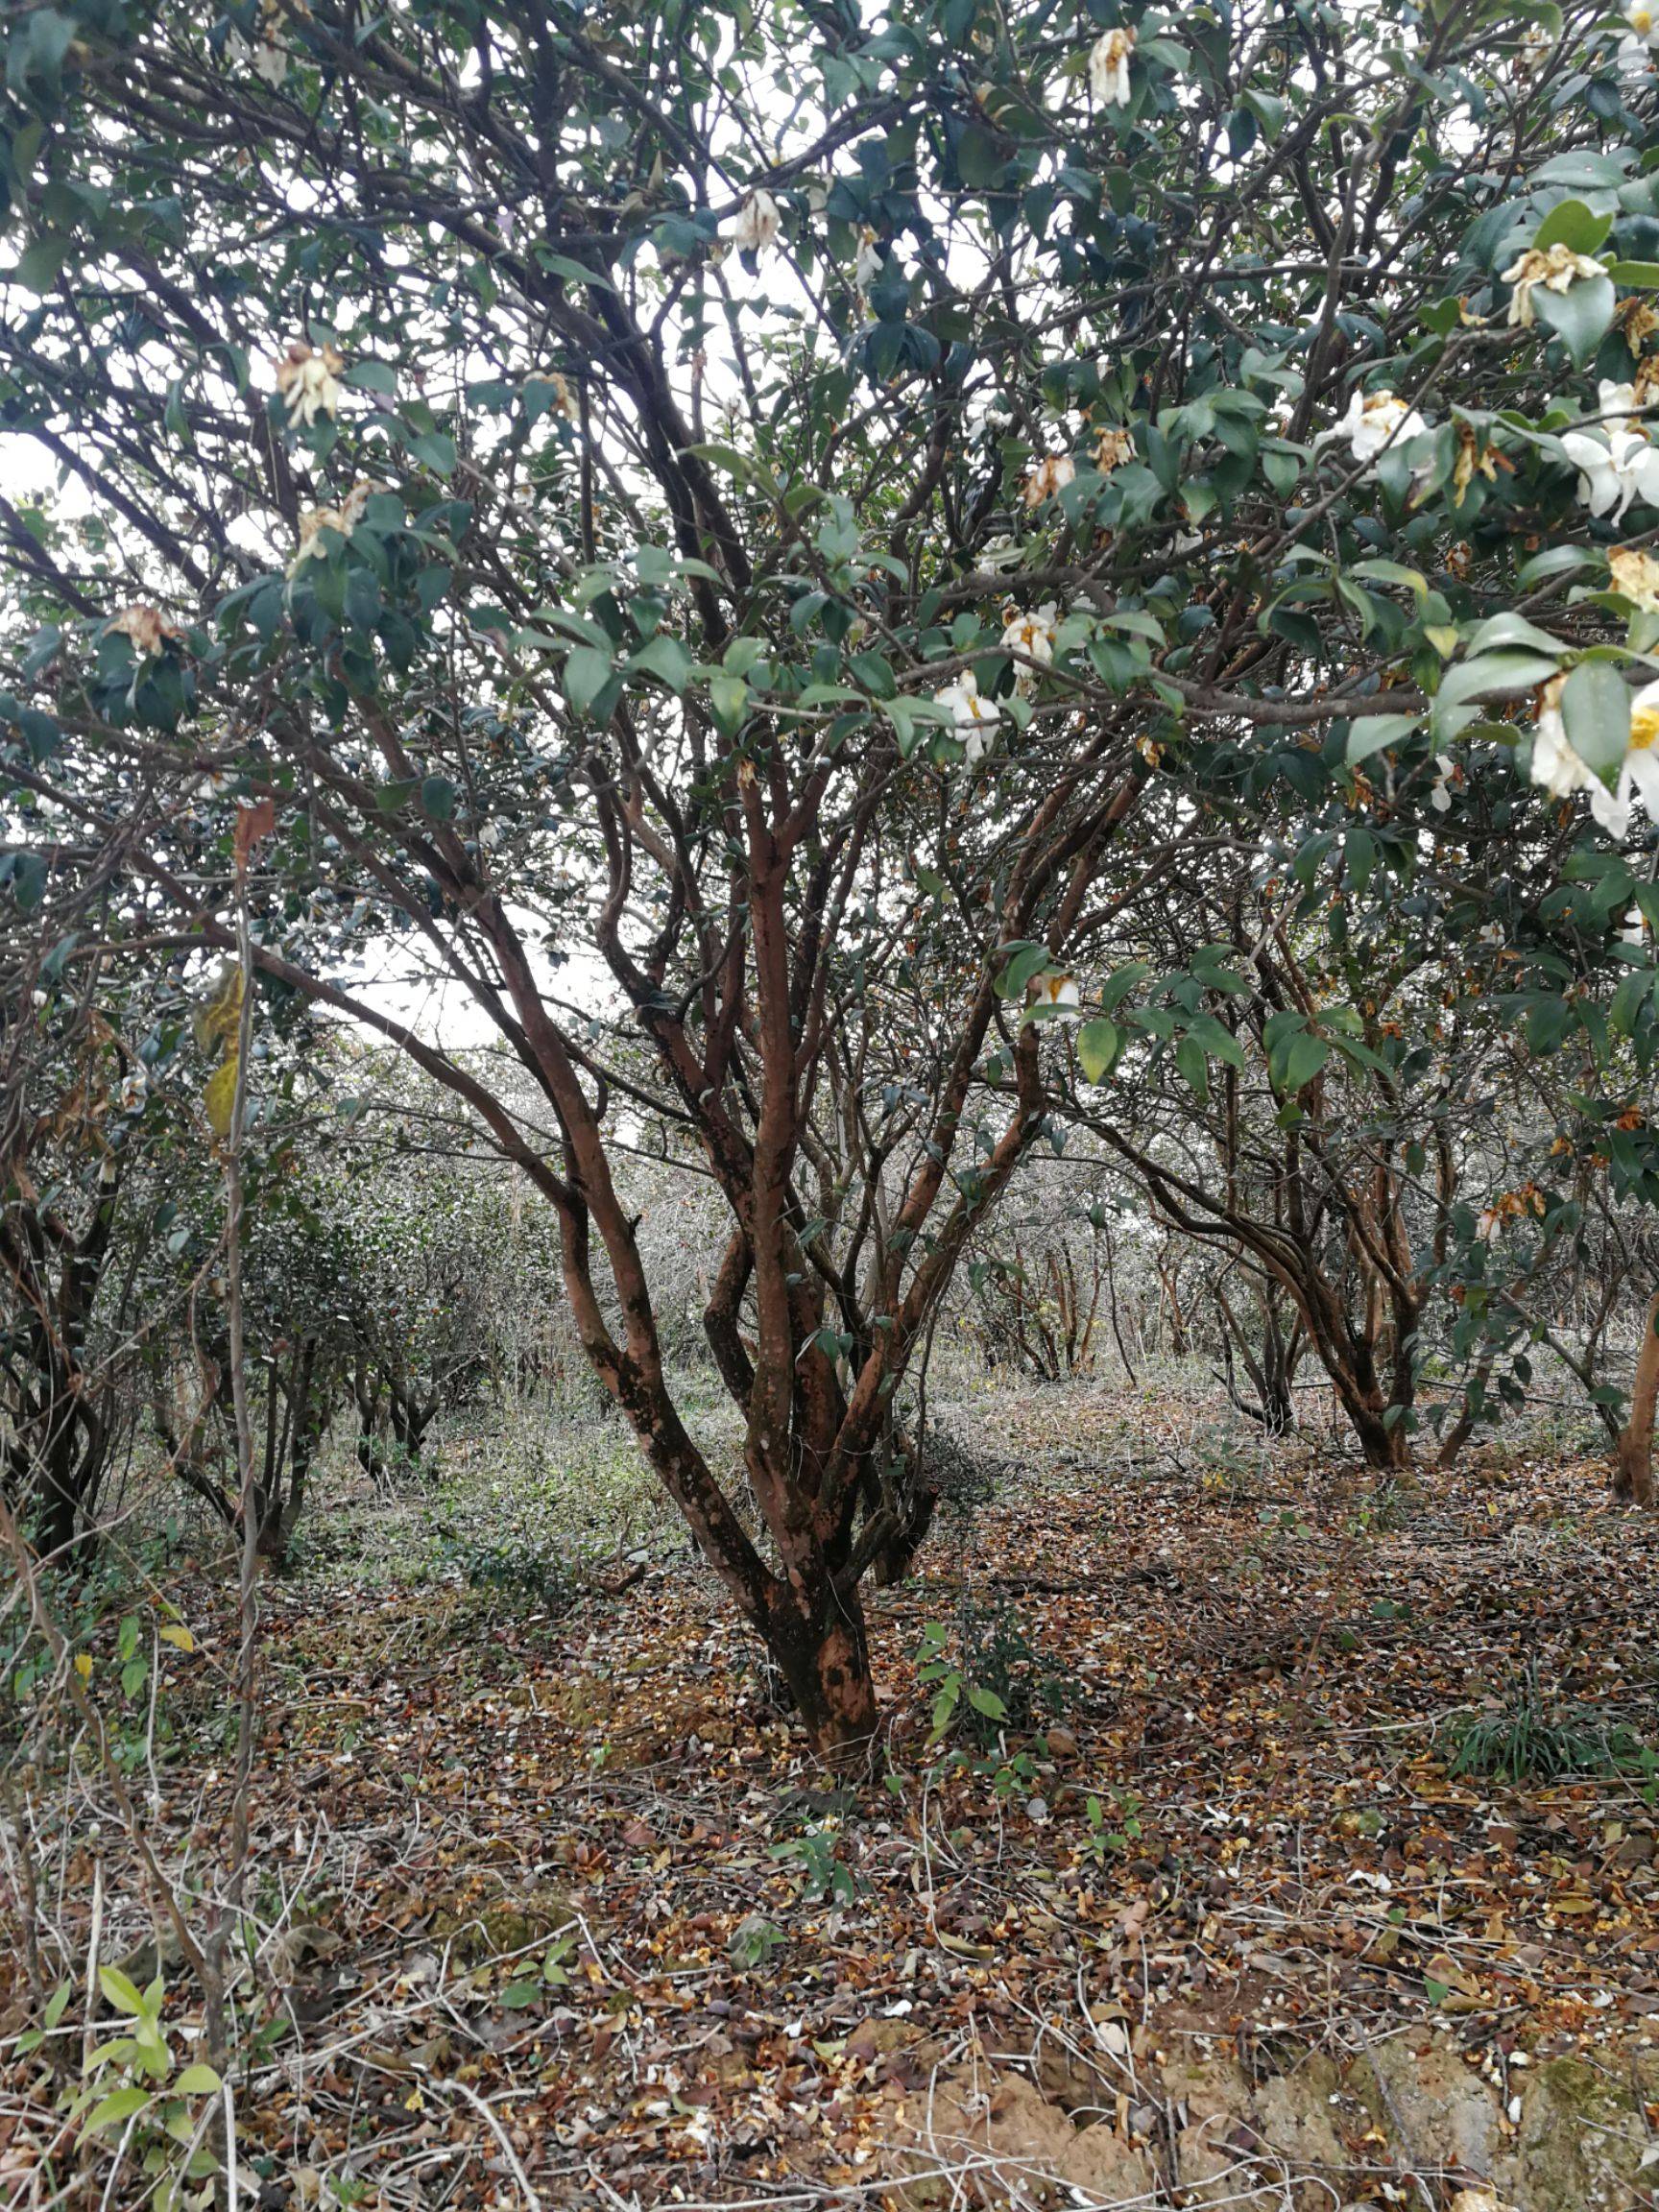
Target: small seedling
(753,1942)
(1115,1831)
(812,1858)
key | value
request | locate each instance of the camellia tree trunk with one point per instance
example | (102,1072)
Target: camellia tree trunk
(1326,1232)
(57,1415)
(1633,1467)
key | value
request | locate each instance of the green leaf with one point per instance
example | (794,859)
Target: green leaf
(728,696)
(1553,561)
(437,798)
(1510,629)
(1596,713)
(1573,224)
(1392,572)
(986,1702)
(1371,733)
(1305,1058)
(1215,1038)
(572,271)
(1294,1054)
(1122,981)
(1580,316)
(373,377)
(435,448)
(199,2081)
(120,2104)
(1138,623)
(1025,963)
(121,1992)
(26,872)
(980,156)
(907,717)
(666,658)
(1501,673)
(1098,1043)
(726,457)
(1194,1068)
(587,672)
(945,1706)
(41,264)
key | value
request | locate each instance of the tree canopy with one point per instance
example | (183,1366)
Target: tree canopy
(868,590)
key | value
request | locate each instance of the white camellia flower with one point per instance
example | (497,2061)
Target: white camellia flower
(1643,34)
(1635,576)
(1113,446)
(146,629)
(342,520)
(1445,776)
(1109,68)
(1032,635)
(1056,989)
(267,58)
(1635,927)
(1563,773)
(1375,420)
(867,265)
(1048,477)
(267,55)
(309,381)
(133,1092)
(976,717)
(1638,776)
(1615,467)
(1616,404)
(1536,48)
(755,227)
(1001,553)
(1554,268)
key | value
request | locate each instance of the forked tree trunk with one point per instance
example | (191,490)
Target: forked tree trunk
(58,1492)
(1633,1466)
(1385,1445)
(905,1494)
(1474,1406)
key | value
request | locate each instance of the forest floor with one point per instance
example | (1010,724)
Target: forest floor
(557,1910)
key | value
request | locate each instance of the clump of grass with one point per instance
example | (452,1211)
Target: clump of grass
(1529,1739)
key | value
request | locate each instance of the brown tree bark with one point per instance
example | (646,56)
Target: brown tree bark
(1633,1465)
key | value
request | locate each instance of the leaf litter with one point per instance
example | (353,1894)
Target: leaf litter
(558,1909)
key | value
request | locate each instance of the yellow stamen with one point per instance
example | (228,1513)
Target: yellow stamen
(1644,729)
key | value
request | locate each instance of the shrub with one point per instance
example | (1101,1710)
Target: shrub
(514,1566)
(997,1680)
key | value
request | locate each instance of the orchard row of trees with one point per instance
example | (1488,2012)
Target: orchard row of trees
(1409,1253)
(115,1351)
(875,597)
